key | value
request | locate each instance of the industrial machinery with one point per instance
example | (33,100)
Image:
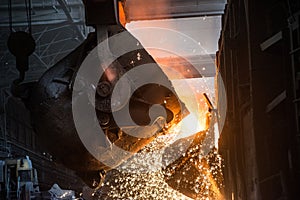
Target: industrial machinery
(51,99)
(18,179)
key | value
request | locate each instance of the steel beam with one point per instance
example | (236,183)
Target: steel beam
(63,4)
(162,9)
(44,22)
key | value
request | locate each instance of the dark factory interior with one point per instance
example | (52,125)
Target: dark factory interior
(161,99)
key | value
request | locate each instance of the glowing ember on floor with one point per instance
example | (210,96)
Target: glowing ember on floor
(143,177)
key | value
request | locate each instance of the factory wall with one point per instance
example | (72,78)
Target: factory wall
(18,139)
(260,139)
(56,32)
(55,36)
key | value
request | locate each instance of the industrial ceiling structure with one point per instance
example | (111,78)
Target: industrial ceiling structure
(58,26)
(163,9)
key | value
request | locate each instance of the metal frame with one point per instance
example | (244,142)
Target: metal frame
(55,38)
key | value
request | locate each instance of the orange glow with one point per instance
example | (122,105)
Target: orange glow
(122,16)
(187,127)
(214,186)
(197,120)
(138,9)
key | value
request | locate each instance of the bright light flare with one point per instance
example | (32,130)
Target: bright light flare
(190,92)
(189,126)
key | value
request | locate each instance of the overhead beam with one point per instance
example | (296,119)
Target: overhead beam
(43,23)
(39,6)
(63,4)
(165,9)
